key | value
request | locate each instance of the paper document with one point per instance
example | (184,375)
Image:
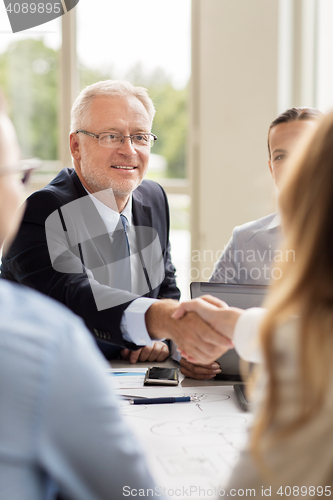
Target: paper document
(191,447)
(128,378)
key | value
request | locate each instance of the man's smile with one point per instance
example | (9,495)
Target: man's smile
(123,167)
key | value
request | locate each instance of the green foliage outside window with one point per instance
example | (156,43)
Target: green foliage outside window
(29,77)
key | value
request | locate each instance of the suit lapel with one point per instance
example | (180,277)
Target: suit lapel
(95,249)
(141,213)
(142,216)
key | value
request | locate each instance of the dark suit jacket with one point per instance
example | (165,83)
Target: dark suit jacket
(28,261)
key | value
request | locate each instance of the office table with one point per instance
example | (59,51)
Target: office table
(191,447)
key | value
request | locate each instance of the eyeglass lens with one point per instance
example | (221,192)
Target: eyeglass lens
(116,140)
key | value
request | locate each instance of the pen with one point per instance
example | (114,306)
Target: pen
(156,401)
(126,396)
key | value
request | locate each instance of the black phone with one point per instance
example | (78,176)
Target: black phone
(244,403)
(162,376)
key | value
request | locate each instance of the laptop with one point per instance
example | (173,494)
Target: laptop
(242,296)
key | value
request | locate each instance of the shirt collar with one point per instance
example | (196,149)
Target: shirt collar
(275,222)
(109,216)
(128,210)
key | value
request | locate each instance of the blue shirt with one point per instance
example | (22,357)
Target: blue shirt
(59,416)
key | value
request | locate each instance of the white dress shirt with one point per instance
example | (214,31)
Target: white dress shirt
(133,324)
(245,338)
(250,253)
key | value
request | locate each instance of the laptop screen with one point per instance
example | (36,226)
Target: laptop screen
(243,296)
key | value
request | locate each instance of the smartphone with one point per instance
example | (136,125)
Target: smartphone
(240,390)
(162,376)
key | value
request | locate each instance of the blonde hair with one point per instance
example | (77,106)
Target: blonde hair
(306,285)
(107,88)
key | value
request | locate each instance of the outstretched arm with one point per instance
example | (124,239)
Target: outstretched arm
(214,312)
(235,324)
(193,336)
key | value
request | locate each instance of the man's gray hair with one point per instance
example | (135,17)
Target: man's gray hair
(107,88)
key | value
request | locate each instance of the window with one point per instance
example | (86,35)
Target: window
(29,69)
(148,43)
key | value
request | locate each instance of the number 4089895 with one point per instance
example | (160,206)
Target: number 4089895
(303,491)
(34,8)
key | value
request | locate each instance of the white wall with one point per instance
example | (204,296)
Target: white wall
(234,99)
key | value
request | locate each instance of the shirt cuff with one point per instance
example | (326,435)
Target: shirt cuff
(175,354)
(133,323)
(246,334)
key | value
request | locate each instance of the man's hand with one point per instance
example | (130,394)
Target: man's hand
(159,351)
(215,312)
(199,372)
(196,340)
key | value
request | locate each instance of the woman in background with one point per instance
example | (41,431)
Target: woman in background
(249,257)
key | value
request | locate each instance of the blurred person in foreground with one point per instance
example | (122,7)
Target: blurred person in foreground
(291,442)
(96,238)
(60,426)
(253,249)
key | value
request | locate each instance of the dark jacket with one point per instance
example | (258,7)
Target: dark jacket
(28,261)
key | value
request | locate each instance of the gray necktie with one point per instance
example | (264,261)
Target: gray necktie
(125,225)
(121,275)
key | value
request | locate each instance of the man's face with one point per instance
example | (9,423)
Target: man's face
(100,168)
(282,140)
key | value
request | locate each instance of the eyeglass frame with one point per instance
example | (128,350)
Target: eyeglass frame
(26,166)
(97,136)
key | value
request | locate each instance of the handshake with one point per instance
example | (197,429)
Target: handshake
(202,329)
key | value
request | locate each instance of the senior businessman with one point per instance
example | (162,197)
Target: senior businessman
(97,237)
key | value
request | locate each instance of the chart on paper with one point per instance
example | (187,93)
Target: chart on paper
(193,446)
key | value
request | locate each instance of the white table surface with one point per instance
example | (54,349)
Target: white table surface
(191,447)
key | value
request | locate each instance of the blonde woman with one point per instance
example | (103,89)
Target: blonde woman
(290,452)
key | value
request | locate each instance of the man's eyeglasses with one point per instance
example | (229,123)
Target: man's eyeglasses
(23,169)
(108,140)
